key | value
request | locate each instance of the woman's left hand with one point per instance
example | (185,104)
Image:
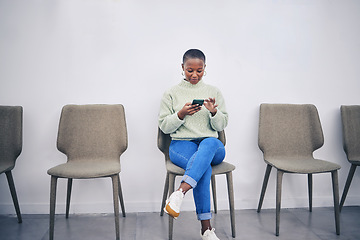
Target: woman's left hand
(211,106)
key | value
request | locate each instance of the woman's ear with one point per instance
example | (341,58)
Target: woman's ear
(182,66)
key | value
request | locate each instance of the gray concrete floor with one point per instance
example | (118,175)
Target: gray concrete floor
(296,224)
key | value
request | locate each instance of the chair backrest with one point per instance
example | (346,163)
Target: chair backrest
(289,130)
(164,141)
(350,116)
(11,118)
(92,132)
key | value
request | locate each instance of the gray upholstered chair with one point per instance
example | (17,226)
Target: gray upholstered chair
(288,136)
(92,137)
(164,141)
(10,146)
(350,116)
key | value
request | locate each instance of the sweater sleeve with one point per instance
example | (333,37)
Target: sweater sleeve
(169,121)
(220,120)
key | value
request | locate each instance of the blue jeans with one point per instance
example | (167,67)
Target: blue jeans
(197,157)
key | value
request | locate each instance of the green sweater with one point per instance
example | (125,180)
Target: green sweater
(199,125)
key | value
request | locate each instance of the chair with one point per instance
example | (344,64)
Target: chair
(10,146)
(92,137)
(350,116)
(173,171)
(288,136)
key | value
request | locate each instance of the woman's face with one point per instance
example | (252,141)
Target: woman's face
(193,69)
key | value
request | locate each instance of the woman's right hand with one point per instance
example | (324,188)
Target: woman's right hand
(188,109)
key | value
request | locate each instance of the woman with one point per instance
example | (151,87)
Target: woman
(193,129)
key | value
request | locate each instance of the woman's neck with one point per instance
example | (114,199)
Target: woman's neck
(187,84)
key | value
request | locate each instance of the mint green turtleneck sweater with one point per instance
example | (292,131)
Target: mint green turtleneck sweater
(199,125)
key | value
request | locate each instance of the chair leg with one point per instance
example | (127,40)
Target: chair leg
(166,190)
(335,183)
(310,187)
(264,186)
(231,202)
(53,186)
(68,197)
(171,190)
(213,187)
(278,199)
(121,198)
(13,195)
(115,183)
(347,185)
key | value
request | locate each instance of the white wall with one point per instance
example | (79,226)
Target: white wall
(54,53)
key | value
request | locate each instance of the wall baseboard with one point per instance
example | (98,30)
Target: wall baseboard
(188,205)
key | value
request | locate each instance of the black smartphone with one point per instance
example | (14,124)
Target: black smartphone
(198,101)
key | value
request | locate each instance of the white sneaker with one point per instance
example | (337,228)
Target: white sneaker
(173,204)
(209,235)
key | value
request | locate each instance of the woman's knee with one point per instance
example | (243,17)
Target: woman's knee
(218,147)
(212,142)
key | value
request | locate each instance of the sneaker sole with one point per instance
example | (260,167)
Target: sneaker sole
(170,211)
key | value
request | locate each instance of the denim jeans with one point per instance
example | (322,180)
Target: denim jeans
(197,157)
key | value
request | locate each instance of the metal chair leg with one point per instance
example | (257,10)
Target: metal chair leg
(347,185)
(213,187)
(171,190)
(335,183)
(231,202)
(165,193)
(278,199)
(115,183)
(14,195)
(52,206)
(310,187)
(68,196)
(264,186)
(121,198)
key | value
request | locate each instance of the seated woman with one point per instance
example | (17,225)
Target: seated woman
(194,131)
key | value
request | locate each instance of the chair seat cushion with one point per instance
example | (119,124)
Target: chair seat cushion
(305,166)
(86,169)
(354,161)
(5,167)
(221,168)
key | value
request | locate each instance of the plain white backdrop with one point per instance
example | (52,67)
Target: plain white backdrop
(54,53)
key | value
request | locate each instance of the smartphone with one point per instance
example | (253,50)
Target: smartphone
(197,101)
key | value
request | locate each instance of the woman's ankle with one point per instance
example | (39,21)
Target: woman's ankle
(205,225)
(184,187)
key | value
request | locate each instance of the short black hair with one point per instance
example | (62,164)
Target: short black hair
(193,53)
